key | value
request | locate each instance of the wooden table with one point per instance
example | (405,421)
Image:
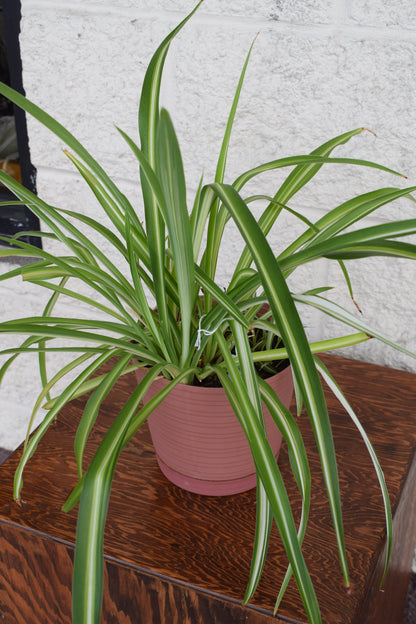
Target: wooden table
(179,558)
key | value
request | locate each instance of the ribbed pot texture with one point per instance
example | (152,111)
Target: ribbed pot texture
(198,440)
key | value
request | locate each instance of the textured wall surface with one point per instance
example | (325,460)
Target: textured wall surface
(318,68)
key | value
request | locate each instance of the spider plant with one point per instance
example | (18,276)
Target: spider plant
(159,306)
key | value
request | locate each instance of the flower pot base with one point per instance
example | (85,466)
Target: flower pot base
(208,488)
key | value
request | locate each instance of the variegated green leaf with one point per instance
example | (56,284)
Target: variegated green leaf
(292,331)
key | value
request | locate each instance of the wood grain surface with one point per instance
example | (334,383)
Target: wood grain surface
(173,557)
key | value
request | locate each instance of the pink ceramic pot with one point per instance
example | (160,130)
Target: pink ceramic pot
(198,440)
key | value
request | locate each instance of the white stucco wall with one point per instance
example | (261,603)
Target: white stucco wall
(318,68)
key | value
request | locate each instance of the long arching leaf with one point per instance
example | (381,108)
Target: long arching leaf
(293,334)
(267,469)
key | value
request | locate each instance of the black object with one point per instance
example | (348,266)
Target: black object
(14,219)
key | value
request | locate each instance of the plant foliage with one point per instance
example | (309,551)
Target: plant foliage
(161,308)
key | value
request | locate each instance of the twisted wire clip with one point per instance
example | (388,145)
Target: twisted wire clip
(207,332)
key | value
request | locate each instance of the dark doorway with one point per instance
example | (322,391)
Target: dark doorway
(14,147)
